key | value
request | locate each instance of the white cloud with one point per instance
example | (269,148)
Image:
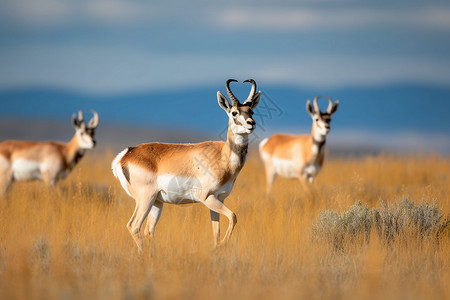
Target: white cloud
(306,16)
(117,10)
(103,69)
(38,12)
(342,70)
(55,12)
(332,19)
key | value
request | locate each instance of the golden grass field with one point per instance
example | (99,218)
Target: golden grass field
(72,243)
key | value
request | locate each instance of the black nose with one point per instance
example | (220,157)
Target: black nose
(251,122)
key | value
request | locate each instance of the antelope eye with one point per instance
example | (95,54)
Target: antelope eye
(234,113)
(317,120)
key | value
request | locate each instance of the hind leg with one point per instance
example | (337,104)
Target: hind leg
(270,176)
(5,184)
(153,218)
(6,176)
(49,179)
(144,202)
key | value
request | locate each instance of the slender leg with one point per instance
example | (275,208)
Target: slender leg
(270,176)
(305,181)
(153,218)
(143,206)
(5,183)
(49,179)
(6,176)
(217,206)
(216,226)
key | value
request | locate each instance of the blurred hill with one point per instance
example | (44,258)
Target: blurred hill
(407,117)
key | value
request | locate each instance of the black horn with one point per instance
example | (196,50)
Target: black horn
(80,116)
(252,91)
(234,100)
(93,123)
(316,105)
(330,105)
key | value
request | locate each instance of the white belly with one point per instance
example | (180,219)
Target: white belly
(26,169)
(179,190)
(285,168)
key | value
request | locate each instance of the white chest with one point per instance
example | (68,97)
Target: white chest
(26,169)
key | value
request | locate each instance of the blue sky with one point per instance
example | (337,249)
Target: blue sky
(115,46)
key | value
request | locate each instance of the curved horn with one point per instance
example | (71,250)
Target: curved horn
(252,91)
(330,105)
(316,105)
(80,116)
(93,123)
(234,100)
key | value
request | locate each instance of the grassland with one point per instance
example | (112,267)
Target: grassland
(72,242)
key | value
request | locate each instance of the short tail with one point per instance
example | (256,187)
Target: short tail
(117,170)
(116,165)
(262,143)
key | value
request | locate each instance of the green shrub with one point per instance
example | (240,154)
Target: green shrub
(401,218)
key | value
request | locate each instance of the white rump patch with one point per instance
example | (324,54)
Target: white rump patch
(26,169)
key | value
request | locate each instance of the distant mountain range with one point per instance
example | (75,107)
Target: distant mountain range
(407,116)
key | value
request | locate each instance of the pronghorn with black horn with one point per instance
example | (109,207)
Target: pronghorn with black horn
(48,161)
(158,173)
(298,156)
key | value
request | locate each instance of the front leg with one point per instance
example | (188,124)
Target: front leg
(305,180)
(49,179)
(218,207)
(216,226)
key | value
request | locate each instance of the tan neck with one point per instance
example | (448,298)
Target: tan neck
(73,153)
(235,149)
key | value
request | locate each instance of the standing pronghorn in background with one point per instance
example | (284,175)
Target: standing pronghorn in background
(47,161)
(298,156)
(157,173)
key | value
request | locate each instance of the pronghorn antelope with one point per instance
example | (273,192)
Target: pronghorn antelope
(158,173)
(298,156)
(47,161)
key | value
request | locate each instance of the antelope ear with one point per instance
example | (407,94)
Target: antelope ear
(309,108)
(223,102)
(256,99)
(335,107)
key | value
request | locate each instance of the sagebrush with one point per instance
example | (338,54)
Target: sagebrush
(401,218)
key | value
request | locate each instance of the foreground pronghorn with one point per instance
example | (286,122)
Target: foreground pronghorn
(157,173)
(47,161)
(298,156)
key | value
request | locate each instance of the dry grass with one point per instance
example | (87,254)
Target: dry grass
(72,242)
